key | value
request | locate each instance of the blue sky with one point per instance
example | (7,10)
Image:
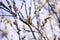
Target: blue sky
(43,14)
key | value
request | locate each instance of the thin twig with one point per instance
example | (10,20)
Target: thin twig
(17,28)
(7,15)
(33,17)
(30,8)
(30,31)
(29,11)
(1,4)
(4,9)
(26,10)
(9,12)
(28,26)
(54,12)
(21,14)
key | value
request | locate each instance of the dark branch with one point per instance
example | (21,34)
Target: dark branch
(21,14)
(28,26)
(4,9)
(1,4)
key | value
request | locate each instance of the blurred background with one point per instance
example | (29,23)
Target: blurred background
(29,19)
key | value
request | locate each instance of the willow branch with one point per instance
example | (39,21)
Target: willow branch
(26,10)
(1,4)
(54,12)
(29,27)
(4,9)
(21,14)
(17,28)
(29,11)
(7,15)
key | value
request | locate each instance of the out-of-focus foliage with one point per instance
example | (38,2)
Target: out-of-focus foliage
(30,20)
